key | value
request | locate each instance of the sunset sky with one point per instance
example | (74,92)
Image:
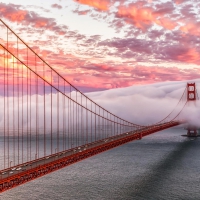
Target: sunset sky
(103,44)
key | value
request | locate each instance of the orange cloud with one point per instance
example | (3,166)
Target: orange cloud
(143,17)
(179,1)
(191,56)
(25,17)
(99,4)
(16,17)
(40,24)
(191,28)
(139,17)
(166,23)
(11,13)
(93,76)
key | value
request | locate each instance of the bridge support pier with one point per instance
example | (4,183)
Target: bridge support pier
(192,132)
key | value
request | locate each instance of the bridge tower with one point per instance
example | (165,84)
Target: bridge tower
(191,96)
(191,92)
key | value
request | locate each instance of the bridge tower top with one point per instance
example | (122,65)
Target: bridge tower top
(191,92)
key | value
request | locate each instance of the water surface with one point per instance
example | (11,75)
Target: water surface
(161,166)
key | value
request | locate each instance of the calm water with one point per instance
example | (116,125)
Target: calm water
(162,166)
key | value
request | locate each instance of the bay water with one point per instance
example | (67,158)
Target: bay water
(162,166)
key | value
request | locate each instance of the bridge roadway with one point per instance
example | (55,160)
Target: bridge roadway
(16,175)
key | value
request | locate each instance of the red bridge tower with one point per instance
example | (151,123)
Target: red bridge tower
(191,96)
(191,92)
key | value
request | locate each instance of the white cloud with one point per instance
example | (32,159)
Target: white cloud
(148,104)
(143,105)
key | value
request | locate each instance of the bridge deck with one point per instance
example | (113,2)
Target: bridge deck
(12,177)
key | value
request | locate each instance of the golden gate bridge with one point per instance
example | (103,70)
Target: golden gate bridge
(47,123)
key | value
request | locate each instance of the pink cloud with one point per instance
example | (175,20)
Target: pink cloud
(99,4)
(56,6)
(191,28)
(141,17)
(190,56)
(84,73)
(12,13)
(167,23)
(81,12)
(144,17)
(179,1)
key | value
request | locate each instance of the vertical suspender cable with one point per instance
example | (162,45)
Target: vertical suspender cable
(27,105)
(51,116)
(82,118)
(13,115)
(86,123)
(36,121)
(22,96)
(95,138)
(8,135)
(68,124)
(91,123)
(18,120)
(58,118)
(30,111)
(76,122)
(73,122)
(4,110)
(70,118)
(64,121)
(44,112)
